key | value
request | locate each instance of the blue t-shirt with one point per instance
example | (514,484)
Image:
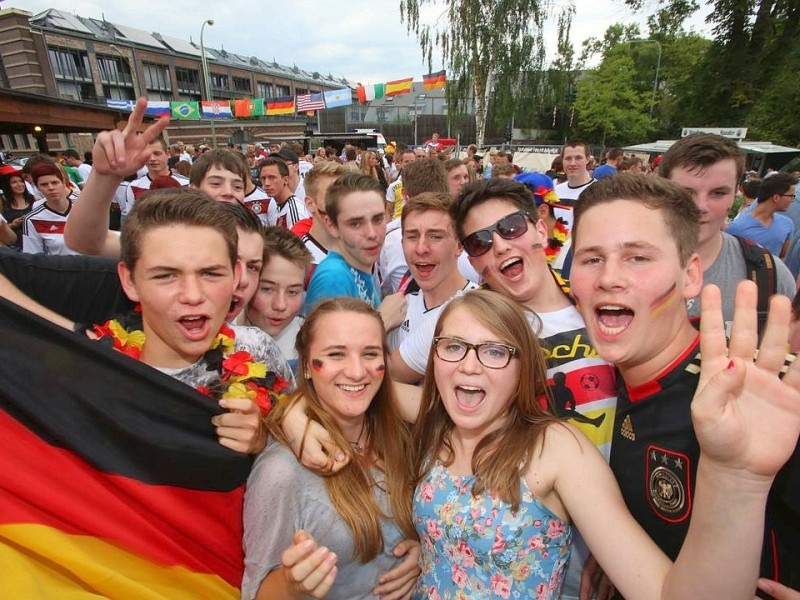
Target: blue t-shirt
(334,277)
(604,171)
(772,238)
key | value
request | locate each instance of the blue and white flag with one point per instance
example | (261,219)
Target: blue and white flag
(336,98)
(127,105)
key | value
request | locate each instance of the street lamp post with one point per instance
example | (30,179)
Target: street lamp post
(207,77)
(658,68)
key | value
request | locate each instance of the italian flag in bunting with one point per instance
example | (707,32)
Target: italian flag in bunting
(368,93)
(432,81)
(112,485)
(400,86)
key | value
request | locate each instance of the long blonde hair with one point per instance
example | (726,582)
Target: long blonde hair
(368,169)
(503,455)
(388,440)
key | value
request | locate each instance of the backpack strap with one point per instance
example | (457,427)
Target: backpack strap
(760,266)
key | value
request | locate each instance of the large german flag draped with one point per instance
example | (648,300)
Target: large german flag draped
(112,483)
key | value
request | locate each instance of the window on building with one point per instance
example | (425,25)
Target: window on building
(23,142)
(3,74)
(157,77)
(70,64)
(242,85)
(283,90)
(188,81)
(300,91)
(219,82)
(264,89)
(72,73)
(115,75)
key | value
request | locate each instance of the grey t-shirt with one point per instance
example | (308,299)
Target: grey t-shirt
(283,496)
(260,346)
(726,273)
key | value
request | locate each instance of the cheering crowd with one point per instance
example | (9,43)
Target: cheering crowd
(453,383)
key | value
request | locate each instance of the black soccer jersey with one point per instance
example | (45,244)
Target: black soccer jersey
(654,455)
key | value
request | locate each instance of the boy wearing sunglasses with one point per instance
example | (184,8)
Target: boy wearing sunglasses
(500,230)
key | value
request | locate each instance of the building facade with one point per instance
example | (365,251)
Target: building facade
(90,60)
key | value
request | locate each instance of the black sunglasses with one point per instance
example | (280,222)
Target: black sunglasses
(509,227)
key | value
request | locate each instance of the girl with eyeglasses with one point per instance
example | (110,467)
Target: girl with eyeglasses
(501,483)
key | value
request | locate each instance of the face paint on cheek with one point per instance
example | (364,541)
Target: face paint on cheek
(316,364)
(380,368)
(664,300)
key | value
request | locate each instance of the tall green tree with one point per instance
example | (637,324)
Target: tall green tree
(774,114)
(492,50)
(610,109)
(753,41)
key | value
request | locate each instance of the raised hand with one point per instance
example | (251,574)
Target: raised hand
(122,153)
(746,418)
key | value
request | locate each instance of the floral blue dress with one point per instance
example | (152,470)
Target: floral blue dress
(477,547)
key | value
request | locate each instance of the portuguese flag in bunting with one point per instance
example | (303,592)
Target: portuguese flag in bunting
(112,483)
(432,81)
(249,108)
(283,105)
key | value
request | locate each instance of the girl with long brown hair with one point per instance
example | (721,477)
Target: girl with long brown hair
(501,483)
(358,516)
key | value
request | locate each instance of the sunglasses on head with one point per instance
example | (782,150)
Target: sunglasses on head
(509,227)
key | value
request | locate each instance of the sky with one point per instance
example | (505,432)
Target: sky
(361,40)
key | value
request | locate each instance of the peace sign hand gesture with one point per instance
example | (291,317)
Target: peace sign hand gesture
(122,153)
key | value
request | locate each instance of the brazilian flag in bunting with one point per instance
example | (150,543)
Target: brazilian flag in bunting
(185,109)
(112,483)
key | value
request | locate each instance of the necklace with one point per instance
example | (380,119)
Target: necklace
(357,445)
(240,375)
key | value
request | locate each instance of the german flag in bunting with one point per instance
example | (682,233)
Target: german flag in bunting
(112,483)
(433,81)
(281,106)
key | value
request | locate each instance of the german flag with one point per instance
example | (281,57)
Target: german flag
(281,106)
(400,86)
(432,81)
(112,483)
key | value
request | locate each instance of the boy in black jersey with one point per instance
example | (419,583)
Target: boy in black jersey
(635,240)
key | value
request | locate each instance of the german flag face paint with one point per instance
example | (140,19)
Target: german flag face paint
(348,365)
(664,300)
